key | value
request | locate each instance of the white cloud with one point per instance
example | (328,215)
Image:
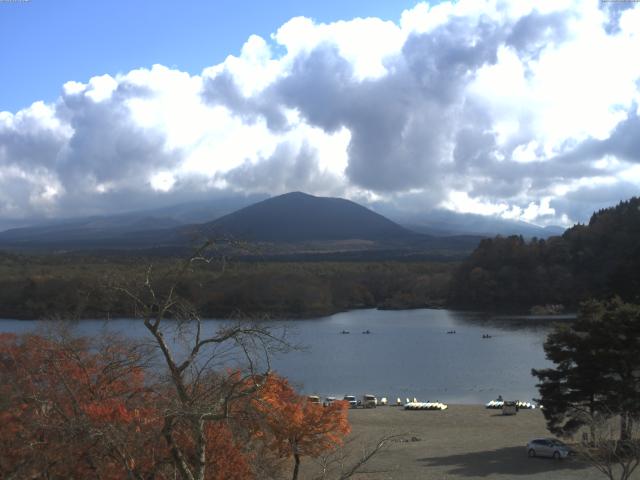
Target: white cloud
(463,203)
(488,106)
(364,42)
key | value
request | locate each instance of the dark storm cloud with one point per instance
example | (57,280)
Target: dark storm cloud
(488,170)
(444,60)
(99,144)
(107,145)
(133,196)
(505,180)
(581,203)
(288,169)
(222,90)
(623,143)
(473,148)
(28,143)
(104,143)
(16,193)
(416,127)
(401,124)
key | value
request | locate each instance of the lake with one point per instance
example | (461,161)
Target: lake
(407,354)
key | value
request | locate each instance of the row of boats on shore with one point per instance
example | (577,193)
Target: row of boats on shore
(425,406)
(499,404)
(371,401)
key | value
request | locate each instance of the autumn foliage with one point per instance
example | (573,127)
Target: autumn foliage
(300,427)
(70,412)
(74,409)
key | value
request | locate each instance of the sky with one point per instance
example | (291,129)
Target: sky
(519,110)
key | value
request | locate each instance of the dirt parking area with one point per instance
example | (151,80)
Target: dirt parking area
(462,442)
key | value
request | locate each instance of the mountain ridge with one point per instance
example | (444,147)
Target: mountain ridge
(298,216)
(137,227)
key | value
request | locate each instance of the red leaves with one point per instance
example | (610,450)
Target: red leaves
(108,411)
(67,408)
(70,408)
(298,426)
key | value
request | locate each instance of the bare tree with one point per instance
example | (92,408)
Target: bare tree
(615,457)
(351,458)
(194,357)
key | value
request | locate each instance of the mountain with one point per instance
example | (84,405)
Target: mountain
(131,229)
(298,217)
(86,229)
(290,226)
(439,222)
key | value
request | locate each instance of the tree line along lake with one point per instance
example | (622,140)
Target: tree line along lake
(408,353)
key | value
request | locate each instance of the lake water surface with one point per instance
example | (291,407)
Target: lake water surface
(407,354)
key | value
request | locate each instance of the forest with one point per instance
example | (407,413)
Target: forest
(49,286)
(600,259)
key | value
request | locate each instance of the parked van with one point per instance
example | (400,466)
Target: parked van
(369,401)
(509,408)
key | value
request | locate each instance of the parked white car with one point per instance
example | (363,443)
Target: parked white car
(329,401)
(548,447)
(353,402)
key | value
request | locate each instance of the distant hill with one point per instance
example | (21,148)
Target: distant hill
(443,222)
(296,217)
(292,226)
(136,229)
(440,222)
(85,229)
(599,259)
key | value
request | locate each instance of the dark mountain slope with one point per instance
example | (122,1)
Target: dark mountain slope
(294,225)
(296,217)
(125,230)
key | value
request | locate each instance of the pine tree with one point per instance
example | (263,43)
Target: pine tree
(597,368)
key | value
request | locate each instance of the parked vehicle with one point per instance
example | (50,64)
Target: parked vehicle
(329,400)
(548,447)
(509,408)
(314,399)
(369,401)
(353,402)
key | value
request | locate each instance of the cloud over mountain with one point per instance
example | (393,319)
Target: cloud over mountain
(522,111)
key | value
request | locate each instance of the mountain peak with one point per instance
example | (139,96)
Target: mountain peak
(298,216)
(295,194)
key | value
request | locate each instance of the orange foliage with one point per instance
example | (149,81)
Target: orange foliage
(70,409)
(297,426)
(226,457)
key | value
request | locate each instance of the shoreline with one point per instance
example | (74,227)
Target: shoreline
(283,317)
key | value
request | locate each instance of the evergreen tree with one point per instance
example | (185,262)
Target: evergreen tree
(597,368)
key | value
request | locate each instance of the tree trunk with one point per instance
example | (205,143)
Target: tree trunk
(624,427)
(296,468)
(592,422)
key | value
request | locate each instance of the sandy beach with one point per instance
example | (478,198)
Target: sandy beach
(462,442)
